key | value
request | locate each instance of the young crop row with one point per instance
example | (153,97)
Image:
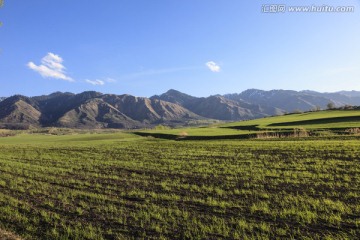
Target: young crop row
(159,189)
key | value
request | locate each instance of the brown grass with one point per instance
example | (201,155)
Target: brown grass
(6,133)
(5,235)
(183,134)
(297,133)
(353,131)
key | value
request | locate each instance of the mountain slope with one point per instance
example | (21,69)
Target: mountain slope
(95,113)
(149,110)
(340,98)
(19,112)
(96,110)
(349,93)
(218,107)
(290,101)
(91,110)
(175,96)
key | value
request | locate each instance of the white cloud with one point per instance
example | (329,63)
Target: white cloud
(98,82)
(51,67)
(213,66)
(95,82)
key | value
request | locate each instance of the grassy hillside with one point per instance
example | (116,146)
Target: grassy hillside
(330,119)
(314,123)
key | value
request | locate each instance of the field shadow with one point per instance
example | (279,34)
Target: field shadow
(318,121)
(194,138)
(248,127)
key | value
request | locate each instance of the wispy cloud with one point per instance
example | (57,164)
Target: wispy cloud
(100,82)
(212,66)
(96,82)
(51,67)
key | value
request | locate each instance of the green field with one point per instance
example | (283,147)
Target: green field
(322,123)
(330,119)
(120,185)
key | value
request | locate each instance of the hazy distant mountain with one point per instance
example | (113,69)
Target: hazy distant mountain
(282,99)
(350,93)
(175,96)
(218,107)
(96,110)
(254,103)
(2,98)
(290,101)
(149,110)
(339,98)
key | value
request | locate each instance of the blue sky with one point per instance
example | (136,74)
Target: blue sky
(200,47)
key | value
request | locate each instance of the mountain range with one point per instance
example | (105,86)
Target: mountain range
(96,110)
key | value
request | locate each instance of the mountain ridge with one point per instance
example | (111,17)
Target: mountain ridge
(91,109)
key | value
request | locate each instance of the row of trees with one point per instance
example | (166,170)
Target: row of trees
(332,105)
(329,106)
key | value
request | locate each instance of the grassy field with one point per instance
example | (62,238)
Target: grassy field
(120,185)
(310,120)
(321,123)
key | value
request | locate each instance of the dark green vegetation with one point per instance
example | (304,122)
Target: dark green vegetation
(123,186)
